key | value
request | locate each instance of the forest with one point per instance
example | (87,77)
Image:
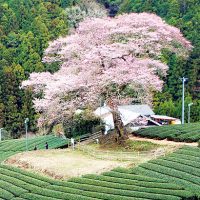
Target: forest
(26,27)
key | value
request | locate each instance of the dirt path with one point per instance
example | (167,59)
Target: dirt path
(163,142)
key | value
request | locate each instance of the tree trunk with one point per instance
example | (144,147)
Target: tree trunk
(118,124)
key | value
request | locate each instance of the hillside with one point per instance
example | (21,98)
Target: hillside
(184,15)
(174,177)
(26,27)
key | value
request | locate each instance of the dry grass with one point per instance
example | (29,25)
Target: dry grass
(66,163)
(62,164)
(129,145)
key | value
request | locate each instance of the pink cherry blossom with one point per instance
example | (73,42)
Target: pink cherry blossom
(102,53)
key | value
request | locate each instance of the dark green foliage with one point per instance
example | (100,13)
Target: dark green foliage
(81,124)
(111,5)
(26,26)
(179,133)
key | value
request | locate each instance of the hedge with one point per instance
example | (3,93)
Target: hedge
(94,194)
(132,177)
(182,133)
(168,176)
(5,194)
(179,193)
(121,192)
(180,167)
(134,182)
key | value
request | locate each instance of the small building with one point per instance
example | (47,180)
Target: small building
(131,115)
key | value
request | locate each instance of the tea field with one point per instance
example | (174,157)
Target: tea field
(179,133)
(173,177)
(11,147)
(181,167)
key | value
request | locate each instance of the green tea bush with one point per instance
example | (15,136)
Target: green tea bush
(177,178)
(5,194)
(134,182)
(11,147)
(120,192)
(180,167)
(150,172)
(90,194)
(181,133)
(135,188)
(15,190)
(132,177)
(176,159)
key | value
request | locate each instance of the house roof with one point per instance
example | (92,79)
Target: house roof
(143,109)
(105,114)
(163,117)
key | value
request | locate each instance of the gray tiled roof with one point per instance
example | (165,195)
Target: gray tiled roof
(142,109)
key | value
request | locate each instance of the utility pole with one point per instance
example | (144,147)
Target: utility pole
(189,105)
(183,97)
(26,129)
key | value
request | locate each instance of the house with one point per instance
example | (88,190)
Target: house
(130,114)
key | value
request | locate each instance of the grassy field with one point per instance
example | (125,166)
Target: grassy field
(179,133)
(85,159)
(129,145)
(11,147)
(63,163)
(173,177)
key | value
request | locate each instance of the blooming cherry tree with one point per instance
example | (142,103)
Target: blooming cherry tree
(101,55)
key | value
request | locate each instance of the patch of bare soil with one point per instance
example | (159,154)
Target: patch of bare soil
(62,164)
(163,142)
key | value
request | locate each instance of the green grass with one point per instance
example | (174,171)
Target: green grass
(130,146)
(179,133)
(141,145)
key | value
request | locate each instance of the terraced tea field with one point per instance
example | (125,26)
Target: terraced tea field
(173,177)
(181,167)
(11,147)
(111,185)
(179,133)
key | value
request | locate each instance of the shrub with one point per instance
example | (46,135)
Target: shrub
(183,133)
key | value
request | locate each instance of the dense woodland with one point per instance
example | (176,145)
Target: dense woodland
(26,26)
